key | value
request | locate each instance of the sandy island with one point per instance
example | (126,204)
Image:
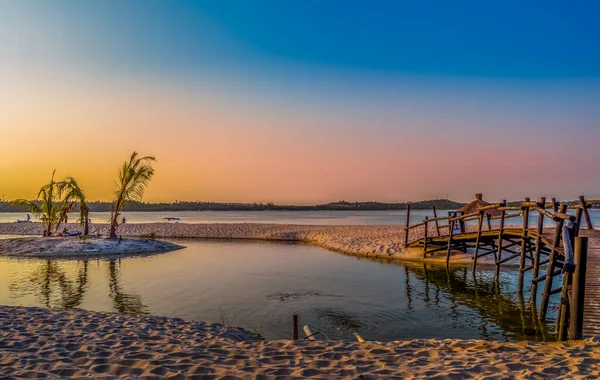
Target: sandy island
(76,343)
(75,246)
(376,241)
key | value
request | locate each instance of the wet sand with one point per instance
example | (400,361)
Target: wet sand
(75,343)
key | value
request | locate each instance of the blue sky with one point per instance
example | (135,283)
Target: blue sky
(402,76)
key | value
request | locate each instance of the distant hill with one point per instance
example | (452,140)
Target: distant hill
(440,204)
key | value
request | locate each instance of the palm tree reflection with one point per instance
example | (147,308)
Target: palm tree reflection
(53,287)
(123,302)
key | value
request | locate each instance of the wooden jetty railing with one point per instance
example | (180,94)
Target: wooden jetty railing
(561,251)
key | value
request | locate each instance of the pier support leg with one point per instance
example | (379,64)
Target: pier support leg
(586,213)
(578,293)
(479,226)
(525,211)
(449,243)
(551,266)
(500,238)
(537,254)
(437,224)
(425,233)
(407,225)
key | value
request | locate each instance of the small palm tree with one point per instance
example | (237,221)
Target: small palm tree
(72,193)
(133,180)
(49,206)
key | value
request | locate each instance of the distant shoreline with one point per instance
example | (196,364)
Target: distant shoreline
(97,206)
(371,241)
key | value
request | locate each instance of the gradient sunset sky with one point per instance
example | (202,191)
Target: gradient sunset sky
(303,101)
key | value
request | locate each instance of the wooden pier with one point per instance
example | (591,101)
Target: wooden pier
(565,250)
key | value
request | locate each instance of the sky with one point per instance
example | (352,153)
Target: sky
(303,102)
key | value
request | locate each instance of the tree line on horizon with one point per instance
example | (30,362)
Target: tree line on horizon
(57,198)
(100,206)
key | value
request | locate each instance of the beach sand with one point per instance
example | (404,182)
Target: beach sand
(377,241)
(40,342)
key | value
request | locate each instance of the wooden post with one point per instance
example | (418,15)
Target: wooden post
(500,232)
(437,224)
(578,292)
(563,311)
(407,225)
(525,211)
(425,233)
(551,263)
(479,227)
(586,213)
(578,216)
(295,327)
(537,253)
(489,221)
(451,227)
(555,204)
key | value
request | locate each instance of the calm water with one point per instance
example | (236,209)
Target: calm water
(282,217)
(260,286)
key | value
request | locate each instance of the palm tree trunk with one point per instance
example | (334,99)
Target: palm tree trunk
(86,226)
(113,223)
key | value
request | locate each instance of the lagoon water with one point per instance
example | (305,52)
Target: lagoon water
(260,285)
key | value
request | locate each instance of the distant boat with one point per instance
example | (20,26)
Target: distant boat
(171,219)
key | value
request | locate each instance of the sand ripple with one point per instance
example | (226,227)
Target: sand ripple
(39,342)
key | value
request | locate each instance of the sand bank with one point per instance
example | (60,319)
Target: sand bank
(379,241)
(78,343)
(74,246)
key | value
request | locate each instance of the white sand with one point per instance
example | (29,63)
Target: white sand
(380,241)
(75,343)
(75,246)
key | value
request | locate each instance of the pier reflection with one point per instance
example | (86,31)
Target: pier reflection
(497,303)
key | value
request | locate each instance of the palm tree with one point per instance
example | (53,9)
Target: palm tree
(49,206)
(72,194)
(133,180)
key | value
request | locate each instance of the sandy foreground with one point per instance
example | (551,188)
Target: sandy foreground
(380,241)
(76,343)
(40,342)
(74,246)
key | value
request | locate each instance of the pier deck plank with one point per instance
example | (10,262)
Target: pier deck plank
(591,314)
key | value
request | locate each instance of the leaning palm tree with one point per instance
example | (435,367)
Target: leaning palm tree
(49,206)
(72,193)
(133,180)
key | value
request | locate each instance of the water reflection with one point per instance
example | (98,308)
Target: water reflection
(498,302)
(260,286)
(54,287)
(123,302)
(51,285)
